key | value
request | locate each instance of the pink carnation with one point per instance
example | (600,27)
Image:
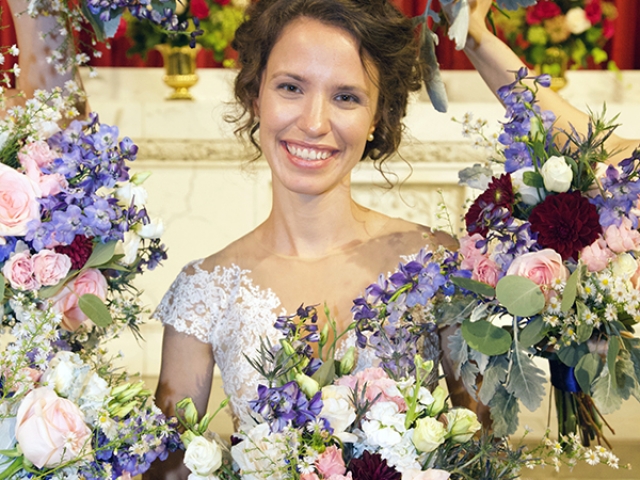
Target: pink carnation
(18,270)
(623,238)
(309,476)
(378,384)
(330,462)
(596,256)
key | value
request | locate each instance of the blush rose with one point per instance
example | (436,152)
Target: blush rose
(19,271)
(18,202)
(543,267)
(50,430)
(66,301)
(50,267)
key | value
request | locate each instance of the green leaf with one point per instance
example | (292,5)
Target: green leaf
(533,179)
(48,292)
(526,380)
(504,413)
(625,376)
(474,286)
(612,354)
(521,296)
(584,332)
(1,289)
(570,291)
(326,373)
(458,351)
(94,308)
(102,253)
(486,337)
(493,377)
(632,345)
(103,30)
(605,394)
(535,331)
(587,370)
(570,355)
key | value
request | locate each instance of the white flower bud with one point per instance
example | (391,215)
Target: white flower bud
(557,174)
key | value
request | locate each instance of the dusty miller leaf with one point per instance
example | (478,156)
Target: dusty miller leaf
(480,359)
(504,413)
(605,393)
(458,351)
(493,377)
(469,375)
(625,376)
(477,176)
(525,381)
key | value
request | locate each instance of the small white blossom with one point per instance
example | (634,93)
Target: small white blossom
(14,50)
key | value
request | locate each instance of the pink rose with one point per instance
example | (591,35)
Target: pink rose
(18,202)
(66,301)
(341,477)
(50,267)
(623,238)
(50,430)
(309,476)
(541,267)
(19,271)
(330,462)
(470,253)
(33,157)
(378,385)
(596,256)
(486,271)
(430,474)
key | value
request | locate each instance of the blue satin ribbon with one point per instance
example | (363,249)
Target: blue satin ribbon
(563,377)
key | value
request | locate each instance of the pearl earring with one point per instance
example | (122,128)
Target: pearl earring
(370,137)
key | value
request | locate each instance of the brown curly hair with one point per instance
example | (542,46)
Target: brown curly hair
(386,38)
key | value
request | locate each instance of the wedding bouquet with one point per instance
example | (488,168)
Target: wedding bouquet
(552,32)
(74,233)
(549,268)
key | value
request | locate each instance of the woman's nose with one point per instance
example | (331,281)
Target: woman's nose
(315,116)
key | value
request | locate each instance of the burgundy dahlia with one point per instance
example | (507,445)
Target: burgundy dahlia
(372,467)
(498,194)
(78,251)
(566,222)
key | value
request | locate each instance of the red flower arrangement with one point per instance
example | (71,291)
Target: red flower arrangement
(499,194)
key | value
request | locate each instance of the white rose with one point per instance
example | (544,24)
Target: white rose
(260,451)
(388,414)
(130,247)
(379,435)
(624,265)
(402,455)
(151,230)
(557,174)
(337,408)
(203,457)
(95,391)
(63,373)
(529,195)
(462,423)
(577,21)
(428,434)
(130,192)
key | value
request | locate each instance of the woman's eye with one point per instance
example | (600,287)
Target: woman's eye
(347,98)
(289,88)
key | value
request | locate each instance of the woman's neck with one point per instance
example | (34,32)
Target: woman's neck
(313,226)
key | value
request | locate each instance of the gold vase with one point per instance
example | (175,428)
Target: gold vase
(180,68)
(555,64)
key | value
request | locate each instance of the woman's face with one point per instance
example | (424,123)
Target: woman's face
(317,105)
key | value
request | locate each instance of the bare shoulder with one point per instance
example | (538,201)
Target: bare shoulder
(414,236)
(240,252)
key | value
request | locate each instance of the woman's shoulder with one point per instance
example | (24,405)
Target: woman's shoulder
(410,237)
(238,257)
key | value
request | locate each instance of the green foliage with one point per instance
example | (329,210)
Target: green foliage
(485,337)
(521,296)
(504,412)
(533,179)
(474,286)
(587,370)
(494,375)
(533,332)
(571,354)
(94,308)
(570,290)
(525,380)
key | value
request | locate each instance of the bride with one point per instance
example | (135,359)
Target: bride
(323,85)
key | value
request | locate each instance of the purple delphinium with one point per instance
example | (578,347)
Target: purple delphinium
(621,193)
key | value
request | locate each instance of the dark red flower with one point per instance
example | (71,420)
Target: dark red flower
(608,28)
(222,2)
(543,10)
(372,467)
(199,9)
(79,251)
(499,193)
(566,222)
(593,10)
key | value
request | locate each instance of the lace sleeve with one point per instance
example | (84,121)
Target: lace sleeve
(193,303)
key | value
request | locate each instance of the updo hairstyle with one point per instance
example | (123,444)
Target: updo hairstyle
(386,38)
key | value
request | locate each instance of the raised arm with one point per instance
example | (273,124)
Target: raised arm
(495,62)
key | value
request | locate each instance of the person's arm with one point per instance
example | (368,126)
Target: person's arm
(496,62)
(186,371)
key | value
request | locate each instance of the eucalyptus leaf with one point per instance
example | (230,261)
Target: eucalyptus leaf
(94,308)
(1,289)
(612,354)
(625,376)
(48,292)
(521,296)
(486,338)
(526,380)
(632,345)
(570,355)
(474,286)
(533,179)
(570,291)
(326,373)
(532,333)
(605,394)
(102,253)
(584,332)
(587,370)
(504,413)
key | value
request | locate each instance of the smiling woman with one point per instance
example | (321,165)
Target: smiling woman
(323,85)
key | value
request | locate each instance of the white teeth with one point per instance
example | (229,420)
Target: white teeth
(308,153)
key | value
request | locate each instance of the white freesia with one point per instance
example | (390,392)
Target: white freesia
(557,174)
(151,230)
(529,195)
(203,457)
(130,193)
(428,434)
(130,247)
(337,409)
(624,265)
(462,423)
(577,21)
